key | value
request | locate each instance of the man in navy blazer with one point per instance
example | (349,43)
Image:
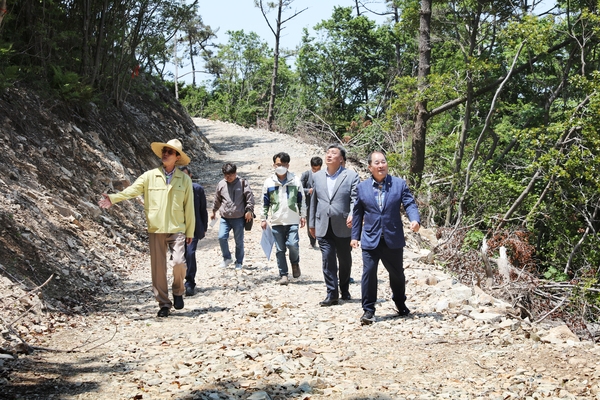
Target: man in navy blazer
(199,232)
(330,221)
(377,224)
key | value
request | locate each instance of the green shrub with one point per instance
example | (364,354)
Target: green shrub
(472,240)
(194,100)
(69,86)
(554,274)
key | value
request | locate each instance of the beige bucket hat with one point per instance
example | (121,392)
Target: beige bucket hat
(174,144)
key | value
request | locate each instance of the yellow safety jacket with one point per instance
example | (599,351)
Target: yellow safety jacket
(169,208)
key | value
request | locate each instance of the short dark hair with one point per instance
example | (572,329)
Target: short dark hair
(370,158)
(339,147)
(283,157)
(229,168)
(184,168)
(316,161)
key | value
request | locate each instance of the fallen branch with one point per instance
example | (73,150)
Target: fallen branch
(74,349)
(32,290)
(49,349)
(518,317)
(551,311)
(479,364)
(568,286)
(103,343)
(331,131)
(22,315)
(523,308)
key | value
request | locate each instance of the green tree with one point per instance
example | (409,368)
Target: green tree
(106,43)
(276,27)
(242,75)
(345,68)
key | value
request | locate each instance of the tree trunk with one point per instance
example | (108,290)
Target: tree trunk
(460,151)
(417,162)
(87,16)
(271,112)
(277,33)
(397,49)
(460,146)
(3,10)
(98,56)
(488,121)
(192,61)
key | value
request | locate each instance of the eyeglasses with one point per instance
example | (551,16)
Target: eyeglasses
(168,151)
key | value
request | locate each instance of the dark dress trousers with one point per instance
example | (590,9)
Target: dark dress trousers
(328,216)
(307,183)
(381,235)
(199,232)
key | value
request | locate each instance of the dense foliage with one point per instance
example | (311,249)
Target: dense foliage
(509,99)
(78,48)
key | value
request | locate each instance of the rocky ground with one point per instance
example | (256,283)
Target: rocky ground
(242,336)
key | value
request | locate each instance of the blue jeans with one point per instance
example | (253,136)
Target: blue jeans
(286,236)
(227,224)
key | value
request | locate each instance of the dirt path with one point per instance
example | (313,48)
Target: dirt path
(242,336)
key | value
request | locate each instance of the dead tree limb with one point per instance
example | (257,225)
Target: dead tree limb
(559,145)
(331,131)
(551,311)
(486,126)
(588,228)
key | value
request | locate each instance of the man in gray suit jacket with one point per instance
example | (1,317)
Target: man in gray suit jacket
(330,221)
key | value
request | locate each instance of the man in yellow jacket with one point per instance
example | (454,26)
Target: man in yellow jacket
(169,208)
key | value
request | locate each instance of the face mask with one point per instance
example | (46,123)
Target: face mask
(280,170)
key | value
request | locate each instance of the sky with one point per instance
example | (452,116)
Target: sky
(242,14)
(232,15)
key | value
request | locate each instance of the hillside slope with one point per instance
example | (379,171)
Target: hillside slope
(55,160)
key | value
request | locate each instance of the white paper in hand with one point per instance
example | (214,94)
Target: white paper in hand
(267,241)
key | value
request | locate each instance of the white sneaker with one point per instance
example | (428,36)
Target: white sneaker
(238,266)
(225,263)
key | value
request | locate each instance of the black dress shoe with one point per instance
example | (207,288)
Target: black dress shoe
(190,291)
(346,296)
(163,312)
(329,301)
(403,311)
(368,318)
(178,302)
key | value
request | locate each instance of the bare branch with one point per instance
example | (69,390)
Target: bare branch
(331,131)
(453,103)
(582,239)
(551,311)
(486,126)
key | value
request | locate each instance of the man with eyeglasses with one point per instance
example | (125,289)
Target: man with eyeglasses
(169,209)
(377,224)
